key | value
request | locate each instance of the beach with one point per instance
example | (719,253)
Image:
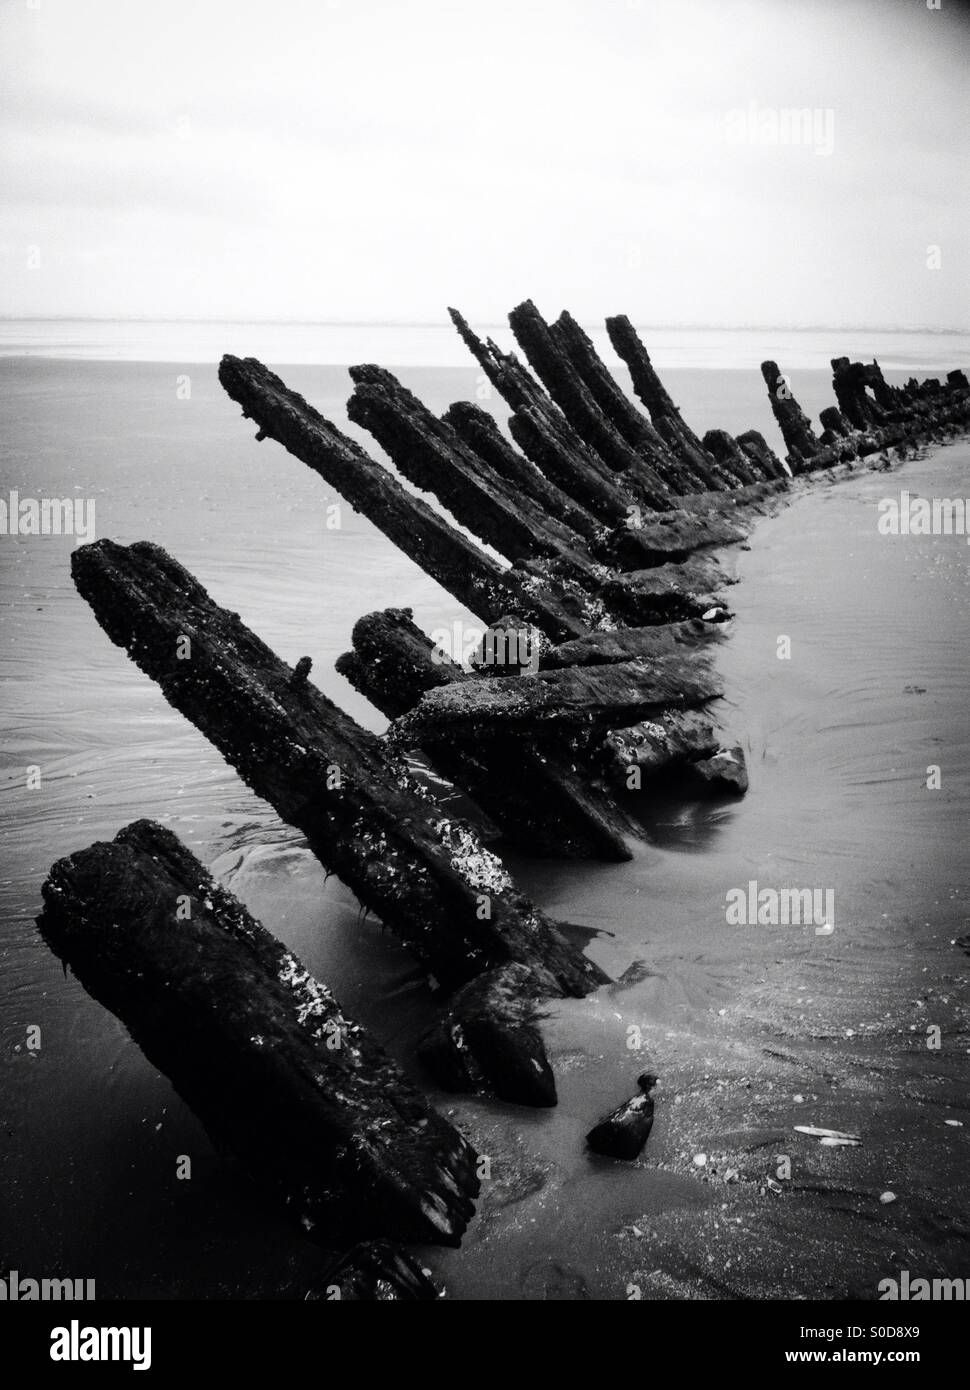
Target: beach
(752,1029)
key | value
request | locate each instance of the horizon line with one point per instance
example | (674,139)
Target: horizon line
(485,324)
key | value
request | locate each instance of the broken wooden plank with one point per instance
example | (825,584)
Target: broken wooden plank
(262,1053)
(629,643)
(656,538)
(669,593)
(580,697)
(534,795)
(426,876)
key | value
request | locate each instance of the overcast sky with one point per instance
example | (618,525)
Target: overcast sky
(380,159)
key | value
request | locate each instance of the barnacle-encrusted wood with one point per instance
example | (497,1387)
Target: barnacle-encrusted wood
(425,875)
(259,1049)
(535,795)
(597,698)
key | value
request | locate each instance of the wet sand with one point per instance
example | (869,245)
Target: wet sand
(756,1029)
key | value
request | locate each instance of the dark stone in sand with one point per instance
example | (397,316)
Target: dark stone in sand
(725,772)
(625,1131)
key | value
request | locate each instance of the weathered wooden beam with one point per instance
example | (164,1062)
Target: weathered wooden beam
(480,432)
(426,876)
(849,382)
(544,434)
(630,643)
(262,1053)
(761,454)
(433,456)
(616,405)
(589,698)
(796,428)
(444,553)
(657,538)
(590,484)
(666,417)
(567,388)
(668,593)
(732,458)
(533,794)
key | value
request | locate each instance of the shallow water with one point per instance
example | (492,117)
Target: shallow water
(837,749)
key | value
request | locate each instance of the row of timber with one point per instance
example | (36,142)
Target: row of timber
(597,520)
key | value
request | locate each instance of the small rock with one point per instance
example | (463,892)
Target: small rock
(725,772)
(887,1197)
(700,1160)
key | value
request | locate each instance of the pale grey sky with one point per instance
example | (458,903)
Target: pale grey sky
(370,160)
